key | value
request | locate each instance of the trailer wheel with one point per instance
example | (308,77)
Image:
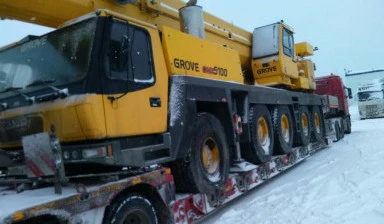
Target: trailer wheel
(206,168)
(317,124)
(133,208)
(348,129)
(261,132)
(304,137)
(283,129)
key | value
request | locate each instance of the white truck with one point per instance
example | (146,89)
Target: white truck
(370,97)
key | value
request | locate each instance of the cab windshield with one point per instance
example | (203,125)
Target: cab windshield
(370,95)
(60,57)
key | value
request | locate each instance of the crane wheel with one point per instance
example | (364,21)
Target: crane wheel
(261,131)
(317,124)
(206,167)
(304,136)
(133,208)
(283,129)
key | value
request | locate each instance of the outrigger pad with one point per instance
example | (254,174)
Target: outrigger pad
(39,156)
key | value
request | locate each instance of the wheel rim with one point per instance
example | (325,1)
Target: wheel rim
(211,158)
(263,135)
(304,123)
(136,216)
(317,122)
(285,128)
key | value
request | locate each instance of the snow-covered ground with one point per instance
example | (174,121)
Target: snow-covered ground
(341,184)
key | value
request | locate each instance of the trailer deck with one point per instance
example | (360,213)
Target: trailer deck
(85,201)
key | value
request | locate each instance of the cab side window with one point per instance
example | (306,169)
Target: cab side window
(130,56)
(288,43)
(118,58)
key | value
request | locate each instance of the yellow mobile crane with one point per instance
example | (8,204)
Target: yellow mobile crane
(284,68)
(121,87)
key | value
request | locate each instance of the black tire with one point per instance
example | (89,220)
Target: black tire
(317,124)
(133,208)
(283,135)
(260,149)
(304,137)
(195,174)
(337,131)
(342,129)
(348,129)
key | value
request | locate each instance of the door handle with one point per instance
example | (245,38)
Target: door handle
(155,102)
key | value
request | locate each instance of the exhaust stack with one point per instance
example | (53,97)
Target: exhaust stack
(192,19)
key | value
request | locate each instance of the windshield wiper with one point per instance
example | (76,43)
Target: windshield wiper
(58,92)
(26,97)
(62,93)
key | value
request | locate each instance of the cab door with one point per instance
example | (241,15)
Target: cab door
(136,83)
(287,53)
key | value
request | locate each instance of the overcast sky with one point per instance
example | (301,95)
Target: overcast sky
(348,33)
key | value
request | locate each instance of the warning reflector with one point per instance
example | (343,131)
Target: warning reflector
(38,155)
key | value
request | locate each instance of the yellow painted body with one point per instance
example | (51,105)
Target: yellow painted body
(76,118)
(159,12)
(304,49)
(162,13)
(132,114)
(306,67)
(95,117)
(87,117)
(284,70)
(306,75)
(195,57)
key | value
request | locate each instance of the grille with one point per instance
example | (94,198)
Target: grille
(13,129)
(371,107)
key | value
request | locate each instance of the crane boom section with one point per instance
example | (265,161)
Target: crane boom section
(158,12)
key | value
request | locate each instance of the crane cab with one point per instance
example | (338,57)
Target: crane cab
(277,61)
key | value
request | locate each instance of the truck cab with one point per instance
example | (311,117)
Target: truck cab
(94,80)
(337,94)
(371,99)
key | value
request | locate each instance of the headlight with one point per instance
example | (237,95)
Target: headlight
(66,155)
(75,154)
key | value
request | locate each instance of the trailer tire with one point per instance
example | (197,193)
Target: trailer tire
(261,132)
(317,124)
(348,129)
(206,167)
(134,208)
(304,137)
(283,129)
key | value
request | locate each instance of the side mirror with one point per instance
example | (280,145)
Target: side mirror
(349,93)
